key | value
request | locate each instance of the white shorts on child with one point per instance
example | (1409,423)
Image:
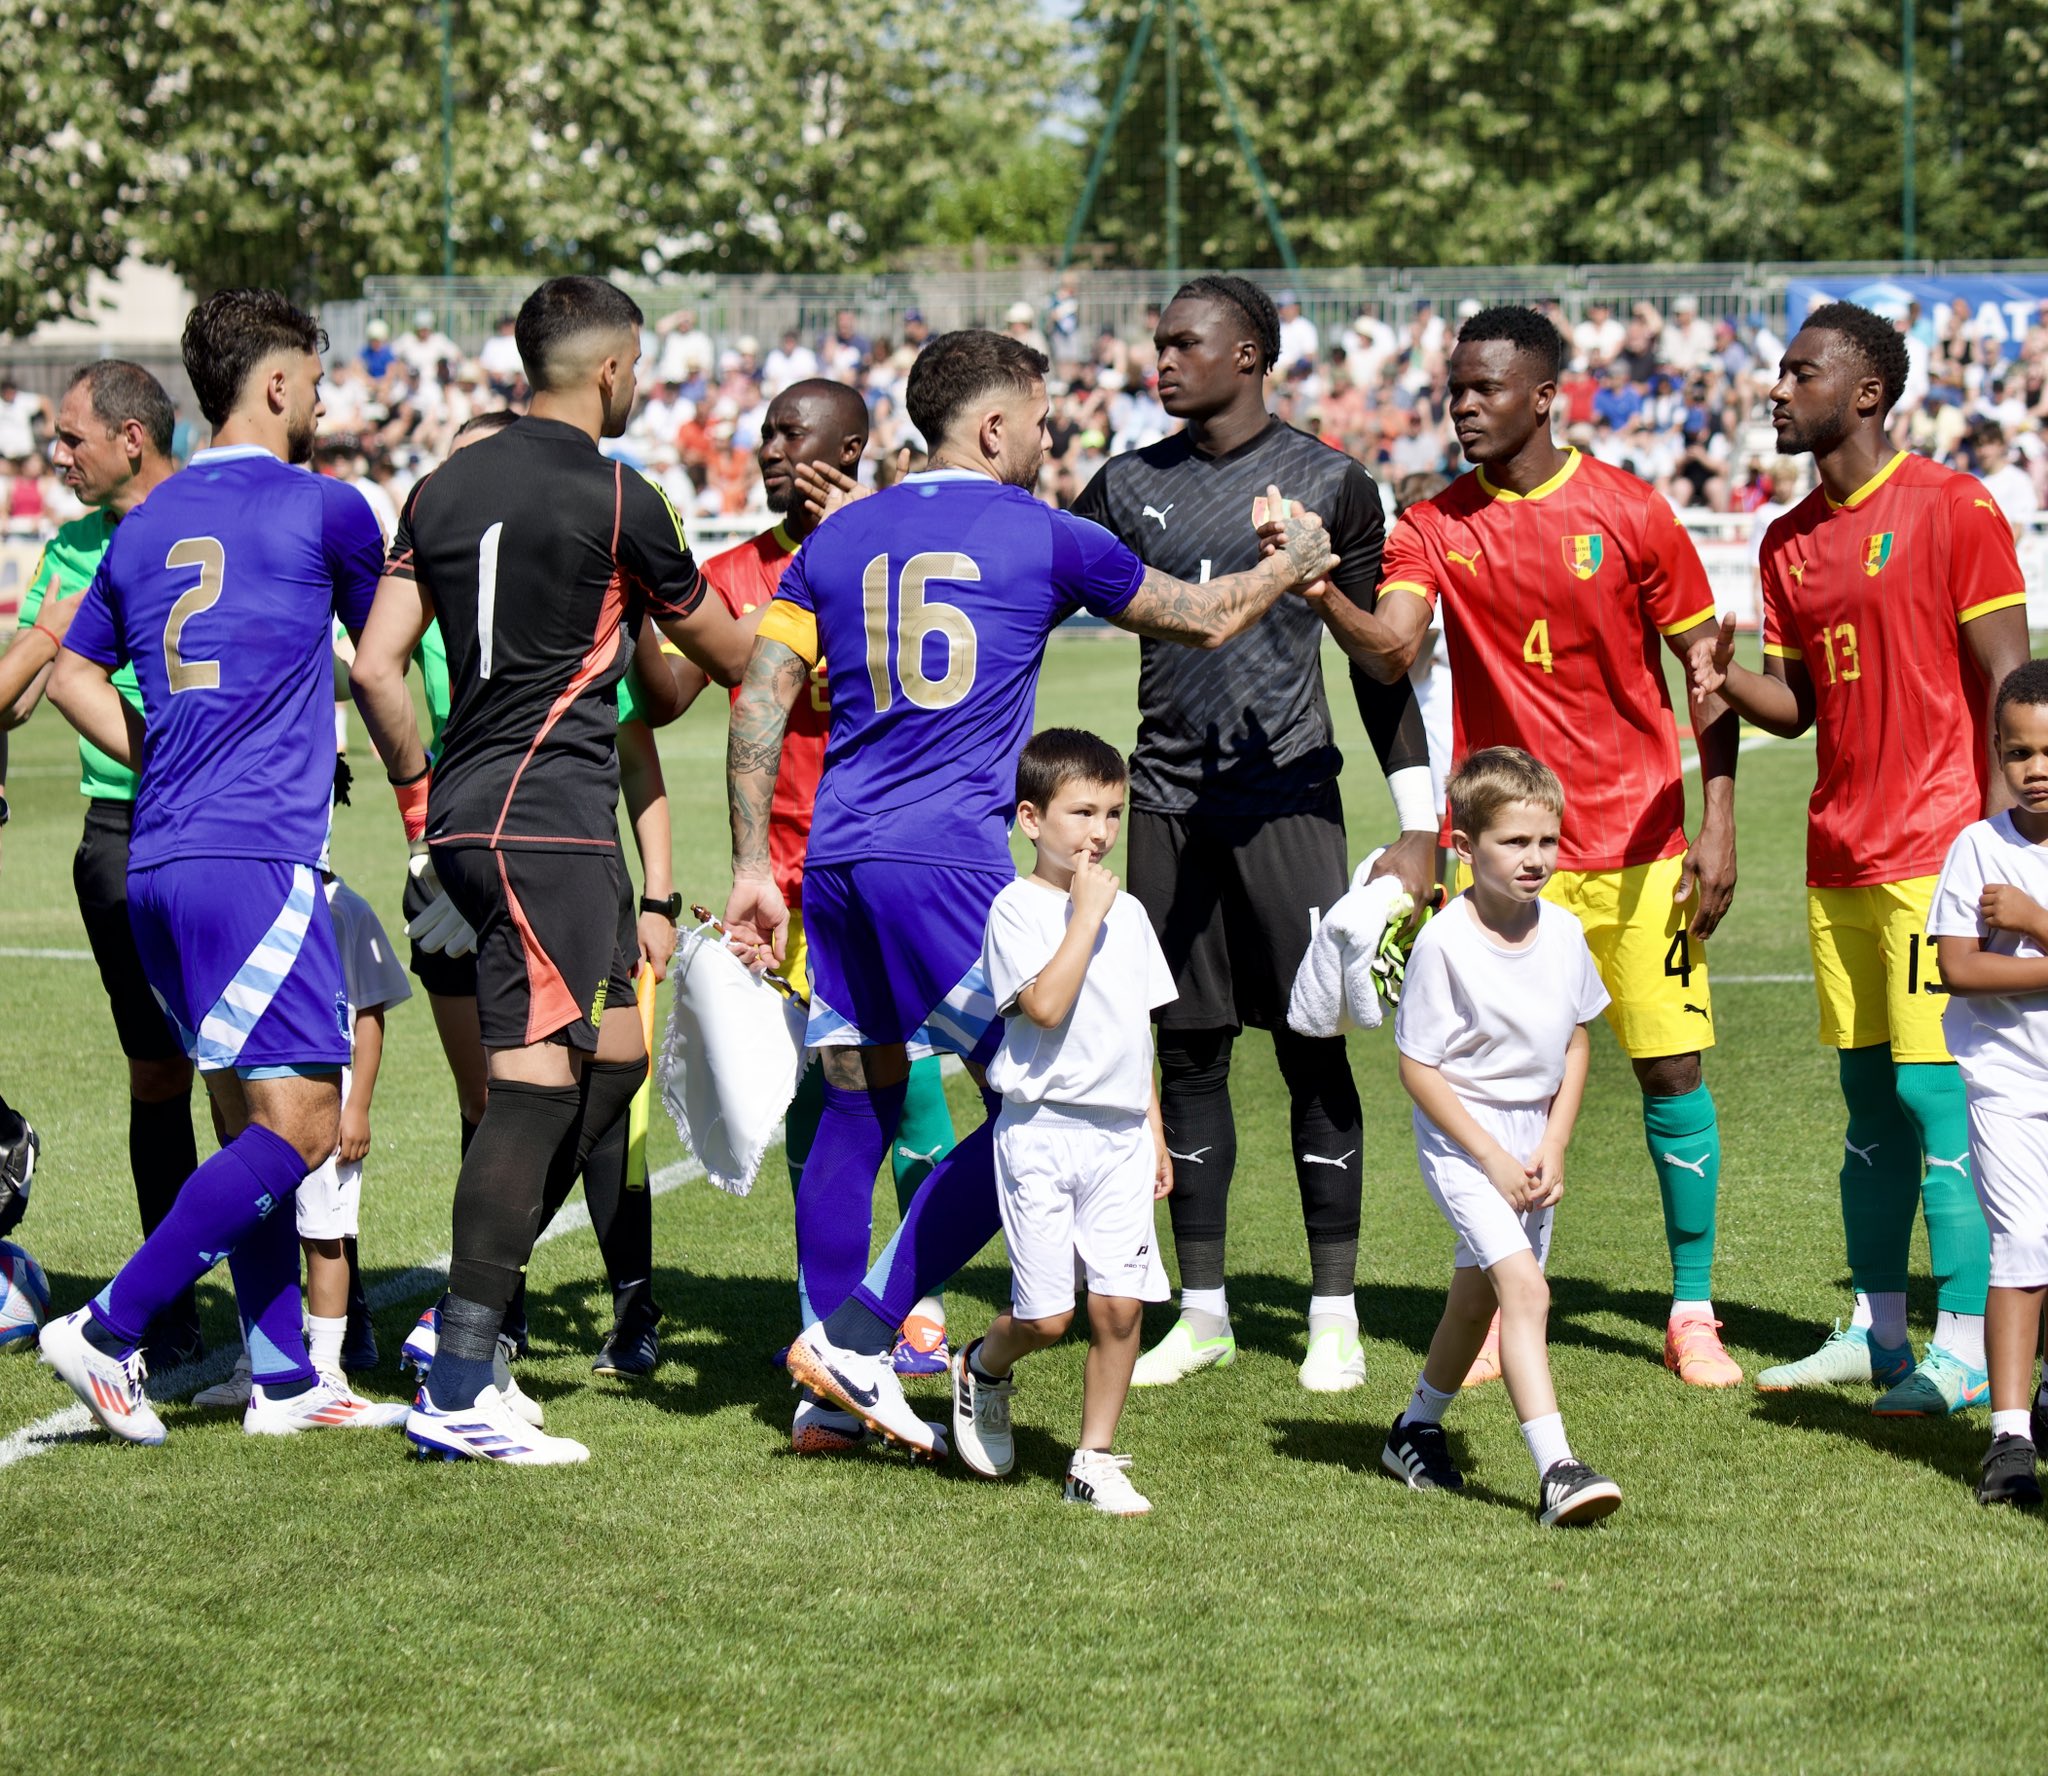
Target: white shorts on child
(329,1199)
(2009,1164)
(1488,1228)
(1075,1188)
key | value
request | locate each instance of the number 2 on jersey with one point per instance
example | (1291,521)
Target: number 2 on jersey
(206,554)
(916,618)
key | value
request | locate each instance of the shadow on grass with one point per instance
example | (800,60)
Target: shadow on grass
(1951,1447)
(1356,1449)
(1269,1314)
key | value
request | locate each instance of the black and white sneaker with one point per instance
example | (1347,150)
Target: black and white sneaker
(2009,1474)
(981,1417)
(1574,1494)
(1419,1455)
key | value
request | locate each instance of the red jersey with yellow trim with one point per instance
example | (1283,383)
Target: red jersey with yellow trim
(746,576)
(1871,595)
(1553,602)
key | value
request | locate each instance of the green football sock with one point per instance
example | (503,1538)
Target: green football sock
(1880,1171)
(1685,1146)
(925,1135)
(1958,1243)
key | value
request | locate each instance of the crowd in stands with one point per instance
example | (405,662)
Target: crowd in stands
(1666,393)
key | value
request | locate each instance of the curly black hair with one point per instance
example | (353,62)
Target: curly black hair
(233,331)
(1875,340)
(1254,307)
(1523,328)
(2025,683)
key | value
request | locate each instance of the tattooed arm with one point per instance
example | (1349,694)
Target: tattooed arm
(1208,615)
(756,920)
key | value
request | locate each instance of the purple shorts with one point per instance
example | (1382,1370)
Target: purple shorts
(895,956)
(240,954)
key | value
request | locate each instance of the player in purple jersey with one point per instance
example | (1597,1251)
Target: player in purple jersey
(936,597)
(221,591)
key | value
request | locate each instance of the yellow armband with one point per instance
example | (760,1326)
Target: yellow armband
(794,627)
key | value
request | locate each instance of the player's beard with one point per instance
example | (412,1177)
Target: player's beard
(1818,438)
(1024,473)
(299,431)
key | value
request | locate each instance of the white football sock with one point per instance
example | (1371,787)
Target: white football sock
(1547,1445)
(323,1342)
(929,1307)
(1692,1310)
(1333,1307)
(1213,1302)
(1884,1313)
(1961,1335)
(2012,1424)
(1426,1405)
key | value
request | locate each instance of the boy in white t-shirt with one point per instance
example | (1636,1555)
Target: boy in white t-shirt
(1076,971)
(1491,1029)
(329,1200)
(1990,926)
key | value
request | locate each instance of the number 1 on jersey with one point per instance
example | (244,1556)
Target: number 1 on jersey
(916,618)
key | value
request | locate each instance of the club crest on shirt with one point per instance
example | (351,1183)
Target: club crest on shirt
(1583,554)
(1877,550)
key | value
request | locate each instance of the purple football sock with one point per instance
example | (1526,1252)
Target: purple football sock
(835,1199)
(227,1198)
(952,1216)
(265,1266)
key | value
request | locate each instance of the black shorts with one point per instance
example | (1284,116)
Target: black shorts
(555,941)
(1234,899)
(99,874)
(440,974)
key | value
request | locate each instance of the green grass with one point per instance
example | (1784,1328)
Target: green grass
(1791,1585)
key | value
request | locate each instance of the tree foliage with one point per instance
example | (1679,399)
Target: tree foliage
(298,142)
(1618,131)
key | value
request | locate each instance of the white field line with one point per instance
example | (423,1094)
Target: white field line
(415,1284)
(35,953)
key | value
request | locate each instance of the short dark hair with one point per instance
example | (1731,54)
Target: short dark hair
(233,331)
(1056,757)
(1254,308)
(1530,332)
(565,308)
(956,368)
(495,421)
(1412,490)
(121,392)
(1986,431)
(1874,339)
(2025,683)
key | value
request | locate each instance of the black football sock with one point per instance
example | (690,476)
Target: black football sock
(1201,1136)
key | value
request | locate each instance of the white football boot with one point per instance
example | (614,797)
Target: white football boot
(866,1386)
(486,1431)
(1335,1363)
(110,1388)
(330,1404)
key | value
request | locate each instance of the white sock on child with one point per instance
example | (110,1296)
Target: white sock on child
(1547,1446)
(2012,1424)
(323,1342)
(1213,1302)
(1961,1335)
(1426,1405)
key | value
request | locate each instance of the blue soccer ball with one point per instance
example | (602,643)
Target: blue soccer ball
(24,1296)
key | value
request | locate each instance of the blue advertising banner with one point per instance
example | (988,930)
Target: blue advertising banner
(2002,308)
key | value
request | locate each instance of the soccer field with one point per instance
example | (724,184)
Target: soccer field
(1792,1583)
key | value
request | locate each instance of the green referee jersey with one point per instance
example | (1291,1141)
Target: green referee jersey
(431,656)
(67,564)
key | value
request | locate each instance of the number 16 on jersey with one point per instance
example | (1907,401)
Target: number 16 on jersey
(901,668)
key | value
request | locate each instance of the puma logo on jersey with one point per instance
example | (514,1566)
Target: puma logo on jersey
(1954,1165)
(1193,1159)
(912,1154)
(1862,1153)
(1316,1159)
(1696,1010)
(1470,563)
(1797,569)
(1155,512)
(1986,504)
(1698,1168)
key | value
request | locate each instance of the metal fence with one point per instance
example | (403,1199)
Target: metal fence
(762,308)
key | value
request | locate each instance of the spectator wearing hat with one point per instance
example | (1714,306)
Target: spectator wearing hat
(1021,323)
(376,355)
(426,348)
(687,355)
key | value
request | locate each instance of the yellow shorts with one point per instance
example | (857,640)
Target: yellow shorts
(1654,970)
(1875,970)
(796,955)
